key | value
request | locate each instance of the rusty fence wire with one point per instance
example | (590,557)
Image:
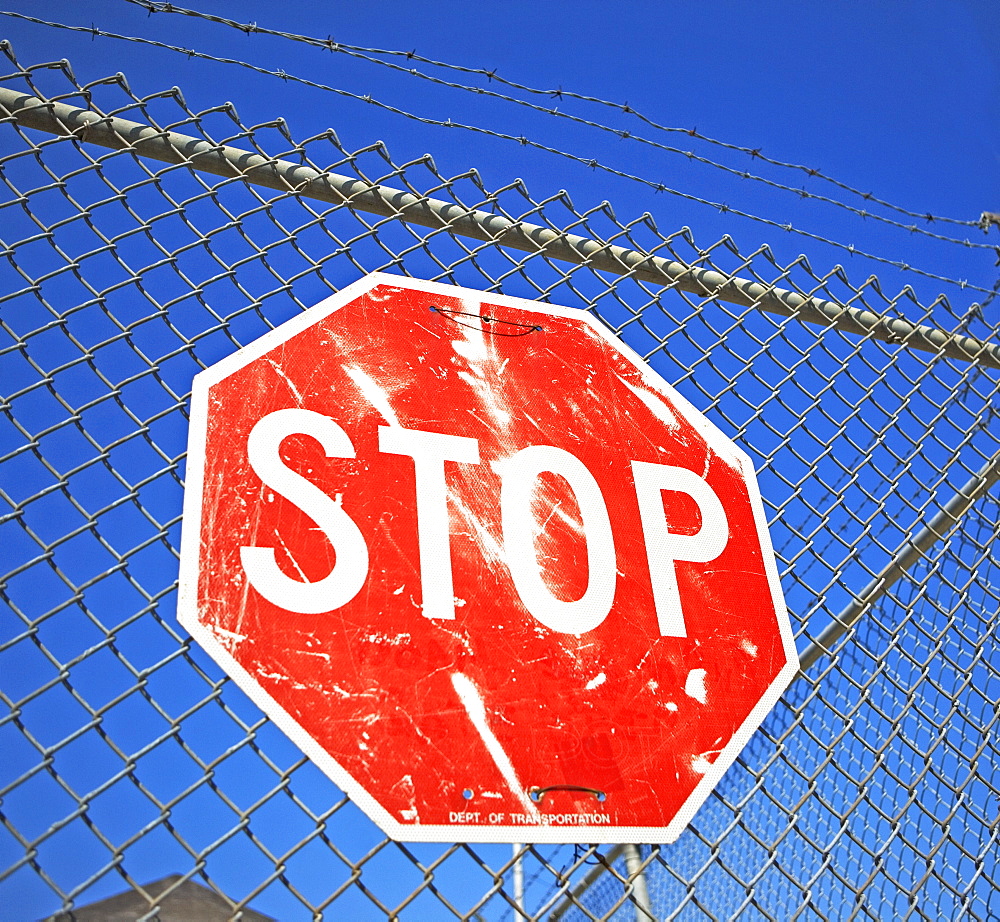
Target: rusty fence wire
(126,757)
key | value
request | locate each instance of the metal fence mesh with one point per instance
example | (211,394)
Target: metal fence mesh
(872,791)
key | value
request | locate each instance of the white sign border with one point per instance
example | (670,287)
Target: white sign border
(187,602)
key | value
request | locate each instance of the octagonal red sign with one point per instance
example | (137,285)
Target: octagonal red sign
(490,572)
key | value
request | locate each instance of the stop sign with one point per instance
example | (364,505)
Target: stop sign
(490,572)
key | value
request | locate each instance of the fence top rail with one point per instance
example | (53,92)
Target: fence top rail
(286,176)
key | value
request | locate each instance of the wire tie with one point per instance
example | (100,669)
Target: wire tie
(536,794)
(524,328)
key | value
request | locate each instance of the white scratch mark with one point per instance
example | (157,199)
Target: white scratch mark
(393,640)
(375,395)
(575,524)
(487,543)
(287,380)
(488,398)
(541,528)
(473,347)
(411,813)
(700,763)
(671,706)
(694,687)
(471,700)
(229,638)
(435,335)
(464,641)
(483,371)
(290,557)
(748,647)
(598,679)
(642,662)
(656,405)
(652,685)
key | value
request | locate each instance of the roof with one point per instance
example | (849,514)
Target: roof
(185,902)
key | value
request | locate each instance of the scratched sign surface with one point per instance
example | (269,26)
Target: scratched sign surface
(492,574)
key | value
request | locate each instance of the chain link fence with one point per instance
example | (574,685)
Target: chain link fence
(872,791)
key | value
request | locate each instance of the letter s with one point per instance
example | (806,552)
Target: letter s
(351,567)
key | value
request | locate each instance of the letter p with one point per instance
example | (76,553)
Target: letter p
(664,547)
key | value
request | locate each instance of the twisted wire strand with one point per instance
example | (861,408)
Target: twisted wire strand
(366,53)
(522,140)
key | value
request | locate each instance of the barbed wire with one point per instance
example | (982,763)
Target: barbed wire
(366,55)
(522,140)
(363,52)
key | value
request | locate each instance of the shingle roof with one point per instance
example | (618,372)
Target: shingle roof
(185,902)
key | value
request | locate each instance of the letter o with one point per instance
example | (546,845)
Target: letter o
(519,474)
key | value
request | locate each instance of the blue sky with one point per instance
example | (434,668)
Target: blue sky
(899,100)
